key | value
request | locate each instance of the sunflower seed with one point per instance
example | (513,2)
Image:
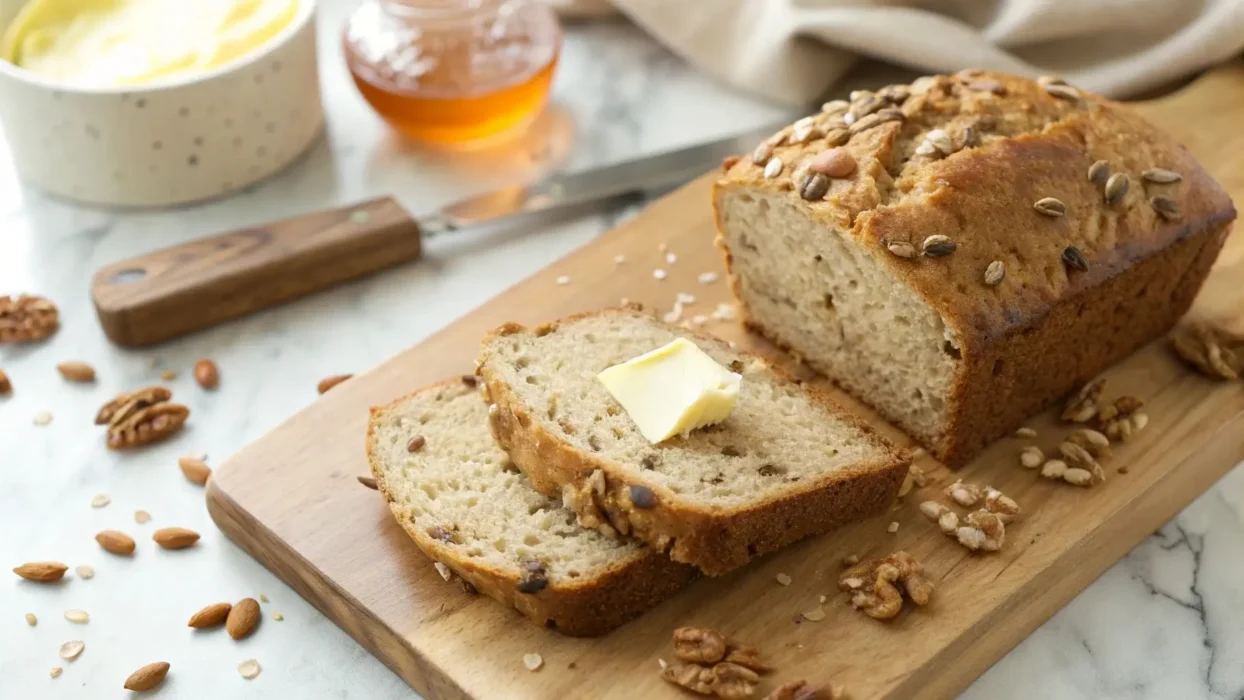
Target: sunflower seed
(1099,172)
(937,246)
(969,138)
(1166,208)
(866,105)
(987,85)
(1116,187)
(1050,206)
(762,154)
(803,134)
(835,106)
(891,114)
(865,123)
(940,140)
(1050,80)
(902,249)
(79,616)
(994,273)
(1073,258)
(837,137)
(814,187)
(894,93)
(1065,92)
(1161,176)
(773,168)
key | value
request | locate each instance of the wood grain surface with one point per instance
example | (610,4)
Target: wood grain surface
(291,498)
(185,288)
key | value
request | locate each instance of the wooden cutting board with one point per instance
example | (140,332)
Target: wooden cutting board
(292,501)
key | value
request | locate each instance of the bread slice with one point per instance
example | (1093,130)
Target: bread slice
(1013,304)
(463,503)
(785,464)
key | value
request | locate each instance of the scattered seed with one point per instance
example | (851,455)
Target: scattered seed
(31,619)
(784,579)
(994,273)
(1026,433)
(707,277)
(85,572)
(1161,176)
(278,616)
(1116,187)
(893,528)
(901,249)
(1054,469)
(1074,259)
(77,616)
(249,669)
(76,371)
(56,671)
(100,500)
(814,187)
(937,246)
(670,258)
(643,497)
(141,517)
(532,662)
(660,274)
(1050,206)
(563,280)
(1099,172)
(773,168)
(416,443)
(42,418)
(814,615)
(369,482)
(1166,208)
(70,650)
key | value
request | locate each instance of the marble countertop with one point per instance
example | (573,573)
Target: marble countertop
(1166,622)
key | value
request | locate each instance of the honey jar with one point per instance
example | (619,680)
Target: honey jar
(453,71)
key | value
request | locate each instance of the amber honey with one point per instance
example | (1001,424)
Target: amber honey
(453,72)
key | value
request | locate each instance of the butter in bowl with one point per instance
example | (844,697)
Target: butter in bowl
(156,102)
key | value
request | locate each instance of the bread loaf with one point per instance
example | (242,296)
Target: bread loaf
(458,497)
(785,464)
(962,251)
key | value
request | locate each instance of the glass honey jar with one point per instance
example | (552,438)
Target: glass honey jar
(453,71)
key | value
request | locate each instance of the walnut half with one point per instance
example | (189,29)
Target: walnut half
(141,417)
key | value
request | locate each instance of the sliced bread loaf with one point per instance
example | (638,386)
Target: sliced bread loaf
(785,464)
(457,495)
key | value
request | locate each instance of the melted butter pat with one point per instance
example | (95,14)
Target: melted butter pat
(127,42)
(673,390)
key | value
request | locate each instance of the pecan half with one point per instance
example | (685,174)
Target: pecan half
(125,405)
(747,655)
(147,425)
(693,677)
(699,645)
(25,319)
(733,682)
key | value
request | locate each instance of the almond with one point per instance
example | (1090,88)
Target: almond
(147,677)
(43,571)
(330,382)
(210,616)
(6,385)
(195,469)
(207,374)
(76,371)
(175,537)
(243,618)
(115,541)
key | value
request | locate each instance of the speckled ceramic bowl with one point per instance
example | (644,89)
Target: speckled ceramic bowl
(170,142)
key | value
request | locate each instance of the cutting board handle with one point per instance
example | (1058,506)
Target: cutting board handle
(174,291)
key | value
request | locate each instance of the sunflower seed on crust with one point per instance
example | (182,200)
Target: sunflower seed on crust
(1116,188)
(1050,206)
(995,273)
(1074,259)
(1161,176)
(814,187)
(1166,208)
(901,249)
(1061,91)
(762,154)
(1099,172)
(937,246)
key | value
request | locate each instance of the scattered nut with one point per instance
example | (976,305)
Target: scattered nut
(116,542)
(6,385)
(1000,504)
(532,662)
(1054,469)
(41,571)
(195,469)
(79,617)
(210,616)
(890,577)
(693,677)
(85,572)
(70,650)
(142,517)
(100,500)
(892,528)
(699,645)
(31,619)
(1078,477)
(55,672)
(26,319)
(175,537)
(784,579)
(1082,406)
(242,618)
(76,372)
(966,495)
(207,374)
(1093,442)
(733,682)
(1031,457)
(1026,433)
(249,669)
(1212,351)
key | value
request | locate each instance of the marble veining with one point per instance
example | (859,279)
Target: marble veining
(1166,622)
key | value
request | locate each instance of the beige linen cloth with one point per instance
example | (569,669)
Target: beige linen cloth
(794,50)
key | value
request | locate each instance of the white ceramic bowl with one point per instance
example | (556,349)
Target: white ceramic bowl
(170,142)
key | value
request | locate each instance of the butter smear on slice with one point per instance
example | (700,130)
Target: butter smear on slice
(673,390)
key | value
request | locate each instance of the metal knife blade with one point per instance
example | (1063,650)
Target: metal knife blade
(594,186)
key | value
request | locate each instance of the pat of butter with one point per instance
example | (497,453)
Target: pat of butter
(673,390)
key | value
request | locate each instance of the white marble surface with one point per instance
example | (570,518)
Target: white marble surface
(1164,623)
